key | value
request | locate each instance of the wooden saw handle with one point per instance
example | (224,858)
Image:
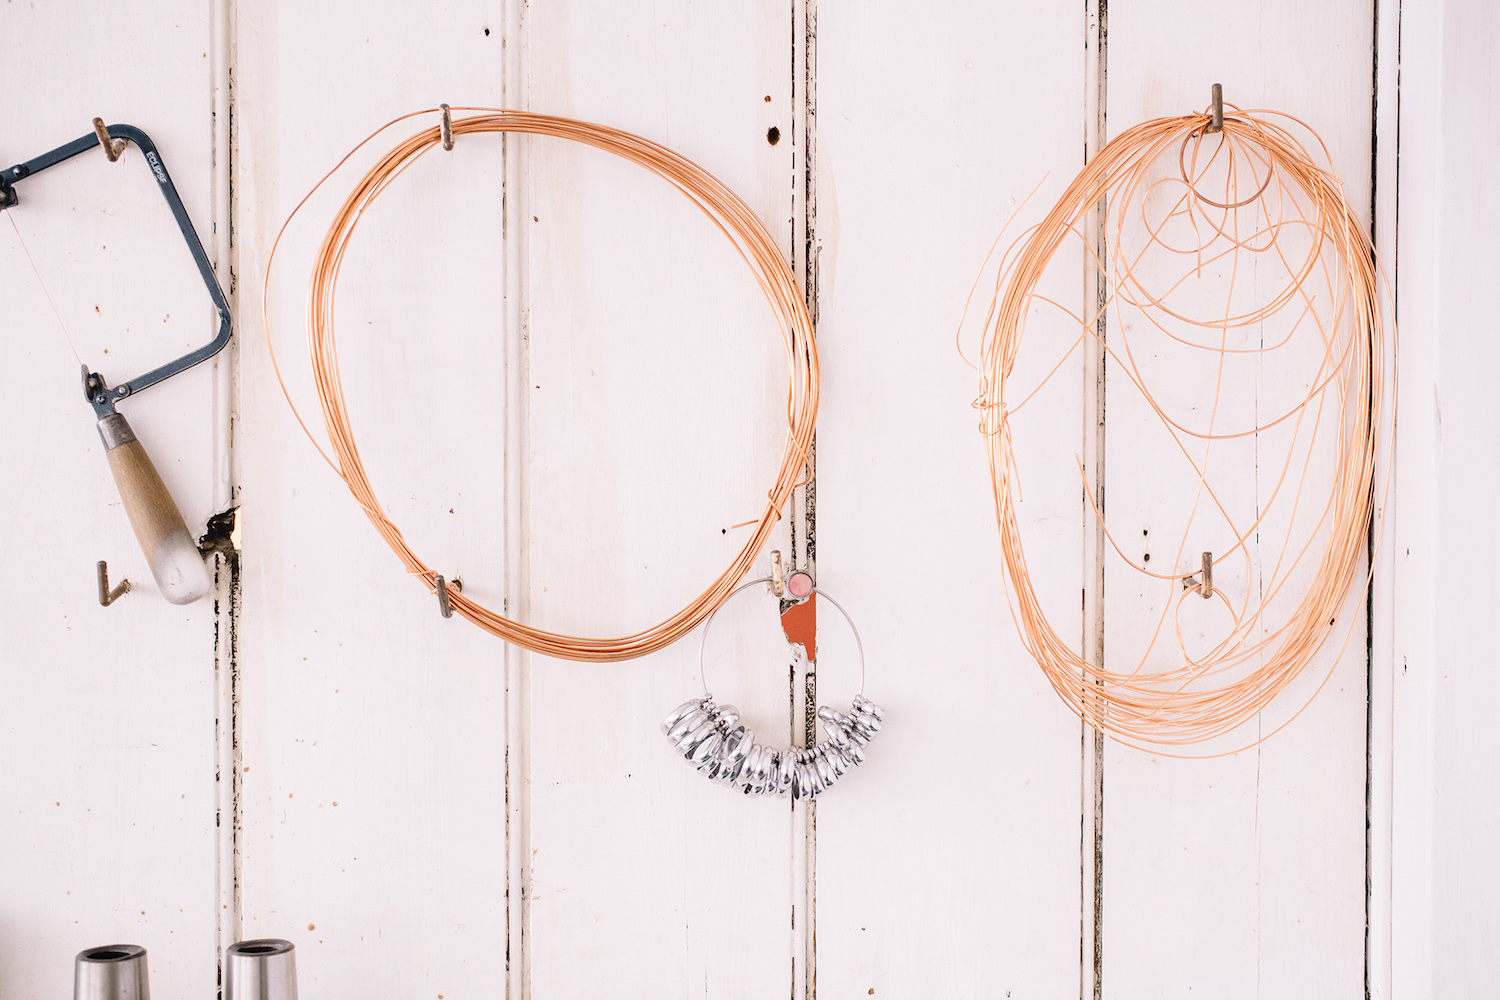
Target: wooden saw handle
(174,557)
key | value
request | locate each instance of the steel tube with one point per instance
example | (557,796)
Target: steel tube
(113,972)
(262,969)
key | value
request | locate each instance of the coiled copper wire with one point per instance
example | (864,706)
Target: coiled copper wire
(1271,185)
(729,215)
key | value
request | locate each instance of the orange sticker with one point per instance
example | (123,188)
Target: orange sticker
(800,623)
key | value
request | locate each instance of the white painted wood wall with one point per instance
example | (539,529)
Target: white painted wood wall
(567,391)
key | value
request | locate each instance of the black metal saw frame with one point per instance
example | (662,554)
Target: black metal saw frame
(101,397)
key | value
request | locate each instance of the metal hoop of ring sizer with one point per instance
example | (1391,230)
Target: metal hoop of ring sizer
(710,737)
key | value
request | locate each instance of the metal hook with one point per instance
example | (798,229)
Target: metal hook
(447,127)
(778,574)
(112,147)
(1207,589)
(444,605)
(1216,116)
(107,596)
(709,624)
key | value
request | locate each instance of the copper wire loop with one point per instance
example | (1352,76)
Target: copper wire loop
(1150,176)
(729,215)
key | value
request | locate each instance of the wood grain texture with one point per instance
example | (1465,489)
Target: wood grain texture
(108,728)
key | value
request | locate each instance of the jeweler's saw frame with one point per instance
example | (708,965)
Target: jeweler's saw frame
(173,554)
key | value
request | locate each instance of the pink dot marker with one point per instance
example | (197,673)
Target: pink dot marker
(799,584)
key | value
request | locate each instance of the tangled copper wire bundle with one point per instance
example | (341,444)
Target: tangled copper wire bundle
(1154,183)
(729,215)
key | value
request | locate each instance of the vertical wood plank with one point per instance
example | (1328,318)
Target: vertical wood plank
(657,395)
(1241,876)
(372,730)
(1380,942)
(226,565)
(1415,526)
(803,525)
(108,736)
(1093,463)
(517,694)
(1445,876)
(949,864)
